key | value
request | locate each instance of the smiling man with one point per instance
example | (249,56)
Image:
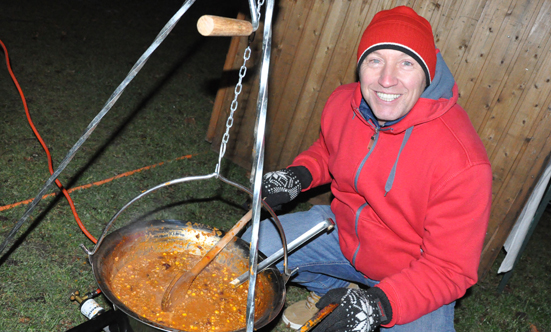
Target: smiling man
(412,191)
(391,83)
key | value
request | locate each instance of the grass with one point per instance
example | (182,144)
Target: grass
(69,56)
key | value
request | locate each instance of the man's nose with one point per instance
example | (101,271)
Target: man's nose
(387,77)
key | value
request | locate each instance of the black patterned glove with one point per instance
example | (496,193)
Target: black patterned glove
(283,186)
(359,310)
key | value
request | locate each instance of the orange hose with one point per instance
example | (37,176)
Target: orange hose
(50,163)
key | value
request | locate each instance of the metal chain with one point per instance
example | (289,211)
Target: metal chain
(237,91)
(233,107)
(259,4)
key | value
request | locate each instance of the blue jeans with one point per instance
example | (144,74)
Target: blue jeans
(322,266)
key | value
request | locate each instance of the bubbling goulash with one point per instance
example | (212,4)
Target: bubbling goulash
(211,303)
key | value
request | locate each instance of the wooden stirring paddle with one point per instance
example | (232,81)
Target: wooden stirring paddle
(181,282)
(318,317)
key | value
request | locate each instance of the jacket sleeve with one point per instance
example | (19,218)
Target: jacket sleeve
(453,238)
(315,159)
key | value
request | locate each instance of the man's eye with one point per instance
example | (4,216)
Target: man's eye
(408,63)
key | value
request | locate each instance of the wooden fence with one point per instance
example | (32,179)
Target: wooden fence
(498,50)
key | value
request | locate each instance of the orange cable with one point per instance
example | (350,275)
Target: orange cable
(97,183)
(50,163)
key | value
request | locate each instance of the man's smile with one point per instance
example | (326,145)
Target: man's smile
(387,96)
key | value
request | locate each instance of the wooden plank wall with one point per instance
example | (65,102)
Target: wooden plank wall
(498,50)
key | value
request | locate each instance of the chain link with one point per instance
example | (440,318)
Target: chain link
(233,107)
(259,4)
(237,92)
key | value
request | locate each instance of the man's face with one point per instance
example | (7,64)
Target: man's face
(391,83)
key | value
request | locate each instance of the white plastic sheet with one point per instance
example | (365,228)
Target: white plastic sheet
(518,233)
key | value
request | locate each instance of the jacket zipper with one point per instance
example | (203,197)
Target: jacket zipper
(370,146)
(356,231)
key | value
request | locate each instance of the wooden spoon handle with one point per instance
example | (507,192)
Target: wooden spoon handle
(211,254)
(183,280)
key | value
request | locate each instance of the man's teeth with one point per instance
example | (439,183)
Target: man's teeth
(387,96)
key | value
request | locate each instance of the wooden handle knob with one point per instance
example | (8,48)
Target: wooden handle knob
(209,25)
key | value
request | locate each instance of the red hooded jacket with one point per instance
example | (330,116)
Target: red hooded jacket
(412,200)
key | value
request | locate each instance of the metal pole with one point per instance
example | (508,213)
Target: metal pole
(258,162)
(92,126)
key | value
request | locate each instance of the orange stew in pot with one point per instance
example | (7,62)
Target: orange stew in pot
(211,303)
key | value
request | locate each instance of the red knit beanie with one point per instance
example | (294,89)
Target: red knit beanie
(404,30)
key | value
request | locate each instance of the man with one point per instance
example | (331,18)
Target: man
(412,190)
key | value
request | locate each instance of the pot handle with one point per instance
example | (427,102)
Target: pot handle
(328,224)
(188,179)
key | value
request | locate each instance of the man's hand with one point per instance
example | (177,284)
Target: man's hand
(359,310)
(283,186)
